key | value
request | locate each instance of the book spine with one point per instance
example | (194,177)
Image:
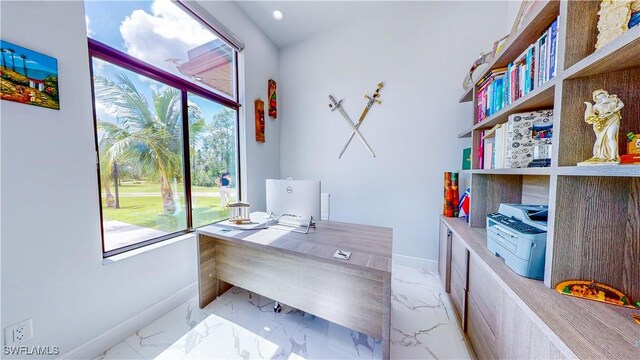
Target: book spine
(548,56)
(552,52)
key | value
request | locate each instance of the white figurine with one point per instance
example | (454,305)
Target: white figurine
(605,117)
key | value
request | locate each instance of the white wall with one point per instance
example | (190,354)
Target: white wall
(51,254)
(262,160)
(421,51)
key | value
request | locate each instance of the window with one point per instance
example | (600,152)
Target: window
(166,131)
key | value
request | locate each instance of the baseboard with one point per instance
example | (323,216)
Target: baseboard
(114,336)
(426,264)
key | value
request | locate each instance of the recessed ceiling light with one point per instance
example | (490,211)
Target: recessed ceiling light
(277,14)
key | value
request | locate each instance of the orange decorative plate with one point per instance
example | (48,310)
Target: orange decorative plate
(592,290)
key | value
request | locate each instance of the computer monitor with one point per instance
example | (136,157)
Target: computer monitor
(295,197)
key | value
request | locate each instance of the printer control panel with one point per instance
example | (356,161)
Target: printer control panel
(515,224)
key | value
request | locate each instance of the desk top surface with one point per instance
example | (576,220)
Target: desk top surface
(370,246)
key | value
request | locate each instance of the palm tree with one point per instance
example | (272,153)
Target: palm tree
(13,61)
(147,136)
(24,64)
(4,63)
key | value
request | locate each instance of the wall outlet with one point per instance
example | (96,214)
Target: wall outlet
(18,333)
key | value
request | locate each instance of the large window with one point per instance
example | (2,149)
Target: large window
(166,131)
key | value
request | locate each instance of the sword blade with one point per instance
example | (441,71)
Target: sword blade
(353,127)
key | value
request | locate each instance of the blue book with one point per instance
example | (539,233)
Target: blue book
(552,54)
(507,88)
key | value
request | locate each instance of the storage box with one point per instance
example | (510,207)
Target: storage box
(520,140)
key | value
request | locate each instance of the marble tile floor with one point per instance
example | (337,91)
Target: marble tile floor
(242,325)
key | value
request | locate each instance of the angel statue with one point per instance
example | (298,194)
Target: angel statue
(605,117)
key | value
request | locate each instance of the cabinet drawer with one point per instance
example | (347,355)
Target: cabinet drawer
(459,257)
(486,293)
(444,256)
(458,295)
(482,339)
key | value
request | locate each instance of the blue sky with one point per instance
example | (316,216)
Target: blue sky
(104,23)
(35,60)
(105,18)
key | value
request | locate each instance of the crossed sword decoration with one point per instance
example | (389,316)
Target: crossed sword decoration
(355,127)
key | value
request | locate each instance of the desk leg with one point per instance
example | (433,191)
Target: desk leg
(209,286)
(386,323)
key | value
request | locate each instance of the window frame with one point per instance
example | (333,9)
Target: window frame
(106,53)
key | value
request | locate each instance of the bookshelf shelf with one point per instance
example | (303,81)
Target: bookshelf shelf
(467,96)
(540,98)
(521,171)
(620,54)
(466,133)
(603,170)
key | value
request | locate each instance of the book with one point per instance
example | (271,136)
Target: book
(466,159)
(552,52)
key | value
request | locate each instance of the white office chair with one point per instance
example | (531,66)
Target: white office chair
(324,206)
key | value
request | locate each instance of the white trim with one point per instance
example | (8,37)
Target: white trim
(426,264)
(126,255)
(117,334)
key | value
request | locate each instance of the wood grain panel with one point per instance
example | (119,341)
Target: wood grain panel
(581,30)
(489,191)
(458,295)
(578,328)
(458,257)
(352,298)
(521,338)
(486,293)
(596,232)
(576,142)
(483,340)
(619,54)
(535,190)
(370,246)
(444,257)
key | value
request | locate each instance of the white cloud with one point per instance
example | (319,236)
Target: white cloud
(88,24)
(166,33)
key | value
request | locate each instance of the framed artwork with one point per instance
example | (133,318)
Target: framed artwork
(259,109)
(526,8)
(273,101)
(28,77)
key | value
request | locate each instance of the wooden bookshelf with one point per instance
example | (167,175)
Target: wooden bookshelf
(594,211)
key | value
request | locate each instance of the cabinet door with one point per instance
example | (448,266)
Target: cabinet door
(486,293)
(520,337)
(459,260)
(444,257)
(484,297)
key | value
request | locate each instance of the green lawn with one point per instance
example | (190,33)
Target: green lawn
(152,187)
(146,211)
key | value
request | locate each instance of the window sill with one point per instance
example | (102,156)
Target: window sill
(116,258)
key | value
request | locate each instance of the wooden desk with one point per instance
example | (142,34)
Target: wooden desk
(299,270)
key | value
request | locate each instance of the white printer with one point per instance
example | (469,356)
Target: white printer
(518,234)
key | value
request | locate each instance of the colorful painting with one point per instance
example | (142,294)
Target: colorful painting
(28,77)
(273,101)
(259,104)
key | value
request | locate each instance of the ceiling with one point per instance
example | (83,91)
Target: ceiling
(304,19)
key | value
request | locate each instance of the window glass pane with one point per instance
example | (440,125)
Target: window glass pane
(160,33)
(139,131)
(212,144)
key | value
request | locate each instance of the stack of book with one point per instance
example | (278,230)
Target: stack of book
(514,143)
(534,67)
(491,93)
